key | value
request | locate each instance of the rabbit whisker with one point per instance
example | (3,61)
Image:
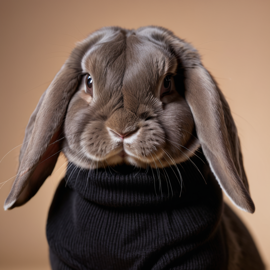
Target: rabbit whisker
(10,151)
(96,166)
(193,164)
(178,144)
(70,176)
(74,170)
(78,175)
(20,145)
(89,171)
(175,165)
(65,163)
(57,140)
(154,180)
(108,167)
(4,182)
(138,172)
(105,168)
(158,175)
(166,175)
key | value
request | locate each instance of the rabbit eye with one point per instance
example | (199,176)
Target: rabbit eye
(166,86)
(89,84)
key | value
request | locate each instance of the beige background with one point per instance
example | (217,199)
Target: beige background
(233,38)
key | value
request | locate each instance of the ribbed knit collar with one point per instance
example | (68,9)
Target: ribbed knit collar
(127,186)
(121,218)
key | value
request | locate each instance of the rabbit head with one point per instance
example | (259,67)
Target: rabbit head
(140,97)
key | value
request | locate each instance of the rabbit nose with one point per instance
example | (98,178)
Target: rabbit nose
(123,135)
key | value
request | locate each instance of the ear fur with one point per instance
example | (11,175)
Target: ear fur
(42,143)
(217,134)
(40,148)
(214,124)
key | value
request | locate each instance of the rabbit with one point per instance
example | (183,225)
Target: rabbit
(128,99)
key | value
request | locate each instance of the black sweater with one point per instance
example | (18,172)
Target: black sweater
(127,218)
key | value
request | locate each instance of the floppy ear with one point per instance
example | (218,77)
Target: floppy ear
(215,127)
(42,143)
(43,136)
(217,134)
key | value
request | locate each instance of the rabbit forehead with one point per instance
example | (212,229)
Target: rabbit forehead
(126,61)
(146,63)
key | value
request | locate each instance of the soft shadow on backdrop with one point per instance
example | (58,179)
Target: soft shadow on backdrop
(233,38)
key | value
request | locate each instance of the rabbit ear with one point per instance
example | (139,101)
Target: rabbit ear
(42,143)
(43,137)
(215,127)
(217,134)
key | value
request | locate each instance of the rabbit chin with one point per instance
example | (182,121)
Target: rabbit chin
(121,157)
(127,159)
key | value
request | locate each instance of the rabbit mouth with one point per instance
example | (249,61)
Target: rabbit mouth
(122,154)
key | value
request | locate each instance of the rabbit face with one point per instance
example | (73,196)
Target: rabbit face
(133,114)
(140,97)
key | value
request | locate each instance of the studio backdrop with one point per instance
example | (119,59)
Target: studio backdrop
(233,38)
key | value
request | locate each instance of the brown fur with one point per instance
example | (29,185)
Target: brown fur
(128,68)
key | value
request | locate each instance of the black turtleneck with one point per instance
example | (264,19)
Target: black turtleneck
(129,218)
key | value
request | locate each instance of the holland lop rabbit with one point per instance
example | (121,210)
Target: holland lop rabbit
(151,143)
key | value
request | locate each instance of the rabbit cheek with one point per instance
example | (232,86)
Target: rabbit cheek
(97,143)
(149,143)
(77,115)
(179,126)
(88,98)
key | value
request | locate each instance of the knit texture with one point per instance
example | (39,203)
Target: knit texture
(128,218)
